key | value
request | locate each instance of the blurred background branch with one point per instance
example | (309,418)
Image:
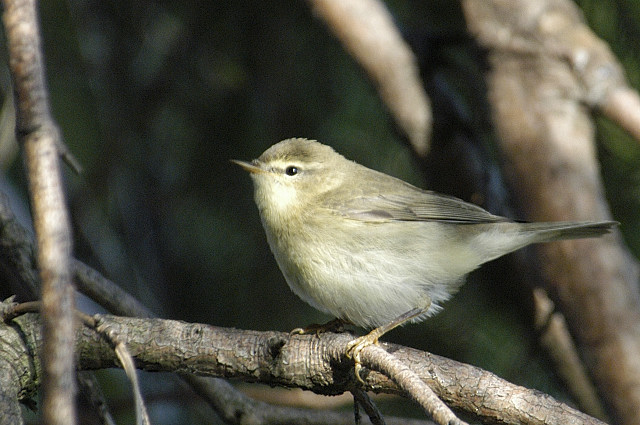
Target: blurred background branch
(368,33)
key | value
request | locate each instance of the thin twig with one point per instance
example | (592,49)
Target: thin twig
(106,293)
(91,387)
(126,360)
(556,339)
(360,397)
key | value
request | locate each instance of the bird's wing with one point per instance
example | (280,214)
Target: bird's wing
(416,205)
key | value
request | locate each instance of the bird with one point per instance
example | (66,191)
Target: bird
(372,250)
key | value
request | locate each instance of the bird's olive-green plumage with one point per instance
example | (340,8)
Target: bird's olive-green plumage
(367,247)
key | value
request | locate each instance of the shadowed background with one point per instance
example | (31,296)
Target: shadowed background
(155,97)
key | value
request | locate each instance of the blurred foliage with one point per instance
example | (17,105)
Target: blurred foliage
(155,97)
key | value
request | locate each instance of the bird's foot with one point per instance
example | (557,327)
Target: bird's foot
(357,345)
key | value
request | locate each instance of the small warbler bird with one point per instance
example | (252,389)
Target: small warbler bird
(373,250)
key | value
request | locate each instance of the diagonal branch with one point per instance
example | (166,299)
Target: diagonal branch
(368,33)
(415,388)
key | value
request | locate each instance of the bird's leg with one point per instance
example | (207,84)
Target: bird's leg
(335,325)
(357,345)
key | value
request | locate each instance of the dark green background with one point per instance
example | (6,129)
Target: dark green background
(155,97)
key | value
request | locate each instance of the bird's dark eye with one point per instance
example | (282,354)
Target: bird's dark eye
(291,170)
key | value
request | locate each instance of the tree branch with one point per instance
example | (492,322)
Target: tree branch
(40,139)
(559,345)
(622,105)
(368,33)
(17,256)
(314,363)
(378,359)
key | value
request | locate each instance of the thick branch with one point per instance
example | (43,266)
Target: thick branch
(40,139)
(310,362)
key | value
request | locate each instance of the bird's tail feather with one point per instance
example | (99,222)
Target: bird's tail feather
(552,231)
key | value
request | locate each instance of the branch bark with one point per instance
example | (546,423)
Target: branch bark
(315,363)
(40,140)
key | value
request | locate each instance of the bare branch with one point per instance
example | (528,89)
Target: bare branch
(367,31)
(361,398)
(236,408)
(310,362)
(557,341)
(40,139)
(106,293)
(89,384)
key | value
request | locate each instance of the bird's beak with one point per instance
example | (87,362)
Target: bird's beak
(248,166)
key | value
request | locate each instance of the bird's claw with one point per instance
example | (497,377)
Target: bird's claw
(355,347)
